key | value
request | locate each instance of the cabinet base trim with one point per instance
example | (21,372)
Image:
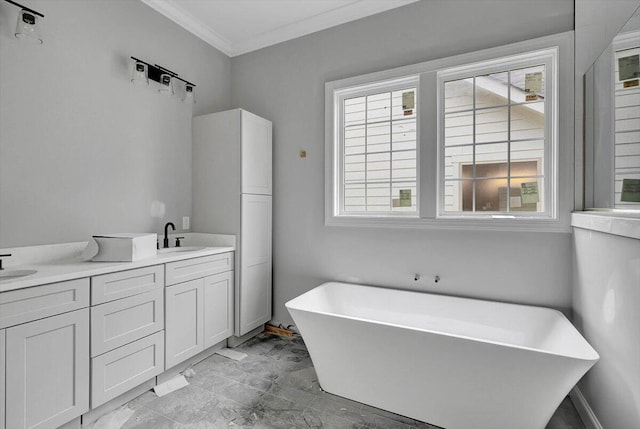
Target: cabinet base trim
(234,341)
(178,368)
(118,401)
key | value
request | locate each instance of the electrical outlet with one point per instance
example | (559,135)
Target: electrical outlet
(186,223)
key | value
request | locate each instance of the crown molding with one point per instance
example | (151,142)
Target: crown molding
(349,12)
(174,12)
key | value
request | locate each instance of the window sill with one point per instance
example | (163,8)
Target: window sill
(486,224)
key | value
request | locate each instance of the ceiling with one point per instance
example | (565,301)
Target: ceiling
(236,27)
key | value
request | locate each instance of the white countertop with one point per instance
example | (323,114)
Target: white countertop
(62,262)
(74,269)
(623,223)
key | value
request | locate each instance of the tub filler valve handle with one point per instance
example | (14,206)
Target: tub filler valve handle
(416,277)
(437,278)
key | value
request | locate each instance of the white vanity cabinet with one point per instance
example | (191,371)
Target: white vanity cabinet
(199,305)
(127,338)
(232,186)
(45,354)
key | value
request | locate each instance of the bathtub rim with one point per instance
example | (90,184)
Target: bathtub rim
(291,304)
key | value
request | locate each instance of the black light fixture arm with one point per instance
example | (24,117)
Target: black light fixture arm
(25,8)
(155,71)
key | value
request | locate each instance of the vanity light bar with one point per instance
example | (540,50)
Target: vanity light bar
(155,71)
(25,8)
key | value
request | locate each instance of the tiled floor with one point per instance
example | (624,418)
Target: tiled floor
(274,387)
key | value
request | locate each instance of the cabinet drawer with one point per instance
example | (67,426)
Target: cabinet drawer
(120,322)
(124,368)
(122,284)
(191,269)
(26,305)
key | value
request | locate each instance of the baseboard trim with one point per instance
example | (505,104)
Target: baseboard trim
(584,409)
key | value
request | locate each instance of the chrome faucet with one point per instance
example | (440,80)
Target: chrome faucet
(165,242)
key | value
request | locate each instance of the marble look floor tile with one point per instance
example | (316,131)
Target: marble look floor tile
(273,406)
(210,380)
(302,379)
(184,405)
(144,418)
(274,387)
(316,419)
(242,393)
(301,397)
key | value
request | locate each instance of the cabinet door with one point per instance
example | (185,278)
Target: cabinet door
(218,308)
(256,154)
(184,321)
(253,294)
(2,382)
(47,371)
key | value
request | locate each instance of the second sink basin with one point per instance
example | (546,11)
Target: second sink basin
(15,274)
(181,249)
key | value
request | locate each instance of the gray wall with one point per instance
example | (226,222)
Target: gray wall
(285,83)
(612,386)
(83,151)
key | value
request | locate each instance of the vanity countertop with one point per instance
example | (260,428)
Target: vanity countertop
(622,223)
(71,269)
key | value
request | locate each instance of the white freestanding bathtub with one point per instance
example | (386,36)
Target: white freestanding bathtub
(453,362)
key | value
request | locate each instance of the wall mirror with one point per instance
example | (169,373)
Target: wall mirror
(612,123)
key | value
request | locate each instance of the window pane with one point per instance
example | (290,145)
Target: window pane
(527,121)
(492,125)
(404,168)
(404,135)
(527,84)
(526,195)
(530,150)
(455,158)
(454,190)
(378,137)
(494,136)
(354,111)
(378,197)
(403,104)
(354,139)
(458,95)
(354,198)
(354,168)
(492,90)
(488,194)
(379,167)
(403,196)
(379,107)
(379,146)
(458,128)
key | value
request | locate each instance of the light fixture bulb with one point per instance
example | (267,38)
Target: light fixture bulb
(189,96)
(27,27)
(139,73)
(166,84)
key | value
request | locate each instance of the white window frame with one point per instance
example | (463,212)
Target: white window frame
(340,96)
(546,57)
(428,143)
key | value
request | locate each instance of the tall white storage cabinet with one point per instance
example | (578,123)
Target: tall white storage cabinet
(232,182)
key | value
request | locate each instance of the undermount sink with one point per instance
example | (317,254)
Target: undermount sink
(15,274)
(181,249)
